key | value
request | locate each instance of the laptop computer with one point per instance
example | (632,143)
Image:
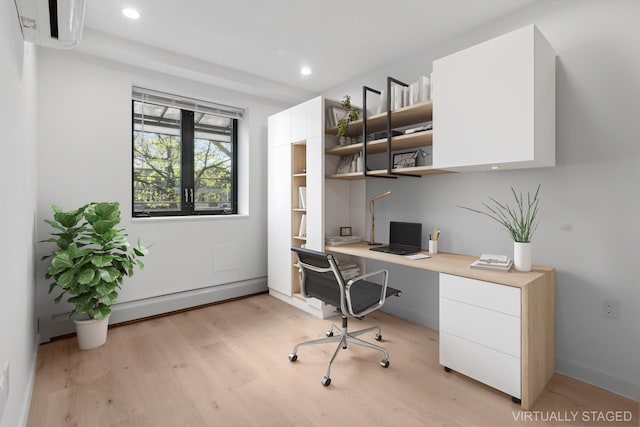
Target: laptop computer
(404,238)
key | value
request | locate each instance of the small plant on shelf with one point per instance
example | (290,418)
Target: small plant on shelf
(351,113)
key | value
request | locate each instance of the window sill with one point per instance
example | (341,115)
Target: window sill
(189,218)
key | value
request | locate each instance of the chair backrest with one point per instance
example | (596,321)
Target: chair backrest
(320,276)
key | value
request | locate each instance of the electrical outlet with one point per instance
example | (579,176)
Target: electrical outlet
(610,308)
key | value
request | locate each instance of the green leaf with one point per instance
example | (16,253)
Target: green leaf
(101,260)
(109,298)
(62,259)
(101,312)
(86,276)
(109,274)
(105,288)
(58,298)
(83,303)
(65,279)
(140,264)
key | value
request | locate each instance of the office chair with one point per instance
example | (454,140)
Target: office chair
(320,278)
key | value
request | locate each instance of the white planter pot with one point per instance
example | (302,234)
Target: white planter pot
(91,333)
(522,256)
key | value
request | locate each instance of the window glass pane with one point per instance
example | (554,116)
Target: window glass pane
(213,174)
(156,158)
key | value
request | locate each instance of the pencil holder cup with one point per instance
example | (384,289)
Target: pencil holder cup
(433,246)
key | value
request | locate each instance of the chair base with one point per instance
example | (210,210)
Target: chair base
(344,337)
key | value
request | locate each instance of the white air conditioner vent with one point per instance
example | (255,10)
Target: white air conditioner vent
(52,23)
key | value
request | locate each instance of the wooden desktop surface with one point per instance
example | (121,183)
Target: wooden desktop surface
(444,262)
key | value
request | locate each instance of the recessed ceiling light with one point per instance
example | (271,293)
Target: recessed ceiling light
(131,13)
(494,168)
(305,71)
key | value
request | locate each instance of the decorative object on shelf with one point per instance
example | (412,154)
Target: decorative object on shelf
(405,160)
(372,211)
(90,261)
(520,222)
(345,231)
(345,164)
(350,114)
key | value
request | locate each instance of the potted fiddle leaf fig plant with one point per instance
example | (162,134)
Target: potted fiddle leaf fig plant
(351,113)
(519,221)
(91,259)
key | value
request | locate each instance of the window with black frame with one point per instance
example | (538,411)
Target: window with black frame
(184,156)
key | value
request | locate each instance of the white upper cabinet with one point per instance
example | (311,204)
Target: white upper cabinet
(306,120)
(494,104)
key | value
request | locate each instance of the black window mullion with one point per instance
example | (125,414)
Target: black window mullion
(234,165)
(187,137)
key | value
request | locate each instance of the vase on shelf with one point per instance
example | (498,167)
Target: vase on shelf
(522,256)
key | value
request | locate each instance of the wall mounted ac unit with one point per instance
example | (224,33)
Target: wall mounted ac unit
(52,23)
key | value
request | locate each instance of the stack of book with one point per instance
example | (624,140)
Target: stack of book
(349,270)
(341,240)
(493,262)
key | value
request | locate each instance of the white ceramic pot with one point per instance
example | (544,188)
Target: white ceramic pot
(91,333)
(522,256)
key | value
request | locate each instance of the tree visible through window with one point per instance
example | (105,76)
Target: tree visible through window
(184,162)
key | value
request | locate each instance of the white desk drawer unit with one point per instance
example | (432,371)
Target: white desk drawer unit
(480,331)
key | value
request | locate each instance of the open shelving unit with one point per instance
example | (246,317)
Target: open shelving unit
(299,211)
(402,117)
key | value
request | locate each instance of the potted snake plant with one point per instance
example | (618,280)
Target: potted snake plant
(91,259)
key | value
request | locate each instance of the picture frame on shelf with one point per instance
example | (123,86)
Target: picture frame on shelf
(345,164)
(338,113)
(345,231)
(404,160)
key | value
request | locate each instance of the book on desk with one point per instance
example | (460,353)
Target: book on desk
(493,262)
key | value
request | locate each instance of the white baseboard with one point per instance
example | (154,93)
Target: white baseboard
(61,324)
(600,379)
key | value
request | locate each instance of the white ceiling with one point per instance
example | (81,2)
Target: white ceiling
(272,39)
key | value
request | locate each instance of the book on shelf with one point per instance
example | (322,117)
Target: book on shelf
(302,197)
(303,226)
(493,262)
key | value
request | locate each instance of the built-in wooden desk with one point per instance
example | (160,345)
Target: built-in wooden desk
(481,297)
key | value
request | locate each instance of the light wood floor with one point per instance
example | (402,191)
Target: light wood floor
(226,365)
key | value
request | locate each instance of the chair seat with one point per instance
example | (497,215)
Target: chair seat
(366,294)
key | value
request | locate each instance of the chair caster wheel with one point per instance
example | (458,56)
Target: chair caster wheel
(293,357)
(378,337)
(384,363)
(447,369)
(329,334)
(516,400)
(325,381)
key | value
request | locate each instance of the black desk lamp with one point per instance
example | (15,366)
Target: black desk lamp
(372,210)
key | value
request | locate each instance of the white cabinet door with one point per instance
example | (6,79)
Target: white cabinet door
(279,129)
(306,120)
(279,219)
(494,104)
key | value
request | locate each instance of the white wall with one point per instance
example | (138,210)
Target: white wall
(85,155)
(17,213)
(590,228)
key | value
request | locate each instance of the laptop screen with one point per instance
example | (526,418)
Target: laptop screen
(405,234)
